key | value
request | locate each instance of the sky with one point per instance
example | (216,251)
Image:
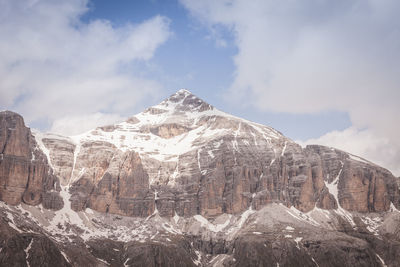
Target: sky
(319,71)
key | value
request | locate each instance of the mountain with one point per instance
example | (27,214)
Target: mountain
(184,184)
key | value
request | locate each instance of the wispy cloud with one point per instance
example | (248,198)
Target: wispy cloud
(311,56)
(54,65)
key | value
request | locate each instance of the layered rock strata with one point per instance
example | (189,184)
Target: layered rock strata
(184,184)
(25,173)
(185,157)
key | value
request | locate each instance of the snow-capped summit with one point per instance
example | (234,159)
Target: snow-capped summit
(181,107)
(181,123)
(184,100)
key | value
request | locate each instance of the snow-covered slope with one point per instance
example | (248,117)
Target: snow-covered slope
(178,125)
(191,121)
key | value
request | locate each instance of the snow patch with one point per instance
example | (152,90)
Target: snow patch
(39,140)
(176,218)
(297,214)
(172,180)
(356,158)
(238,225)
(65,256)
(103,261)
(372,224)
(169,228)
(393,208)
(383,263)
(76,153)
(217,144)
(27,252)
(11,223)
(245,215)
(283,149)
(218,260)
(197,261)
(235,135)
(206,224)
(298,240)
(289,228)
(314,261)
(333,189)
(89,211)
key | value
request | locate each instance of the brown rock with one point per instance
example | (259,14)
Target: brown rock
(169,130)
(111,181)
(61,156)
(24,171)
(363,186)
(364,189)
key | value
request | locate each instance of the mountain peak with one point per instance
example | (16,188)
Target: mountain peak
(184,100)
(183,91)
(179,95)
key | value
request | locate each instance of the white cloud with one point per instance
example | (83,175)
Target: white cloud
(54,65)
(312,56)
(74,125)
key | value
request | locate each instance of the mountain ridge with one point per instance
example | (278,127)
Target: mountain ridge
(196,188)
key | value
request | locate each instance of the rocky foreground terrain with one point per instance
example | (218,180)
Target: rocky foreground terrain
(184,184)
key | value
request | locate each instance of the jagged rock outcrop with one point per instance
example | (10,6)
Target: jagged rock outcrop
(25,175)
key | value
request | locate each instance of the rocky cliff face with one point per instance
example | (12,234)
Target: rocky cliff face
(25,175)
(183,156)
(185,184)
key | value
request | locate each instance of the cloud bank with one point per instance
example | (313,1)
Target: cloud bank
(312,56)
(53,65)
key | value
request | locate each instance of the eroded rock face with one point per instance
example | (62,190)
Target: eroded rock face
(61,156)
(25,175)
(229,182)
(362,186)
(185,157)
(111,182)
(198,187)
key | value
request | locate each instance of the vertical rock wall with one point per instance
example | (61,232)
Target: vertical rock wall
(25,175)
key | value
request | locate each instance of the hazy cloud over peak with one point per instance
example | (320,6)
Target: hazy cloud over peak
(312,56)
(54,65)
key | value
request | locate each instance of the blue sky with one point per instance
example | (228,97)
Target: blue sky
(325,72)
(191,59)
